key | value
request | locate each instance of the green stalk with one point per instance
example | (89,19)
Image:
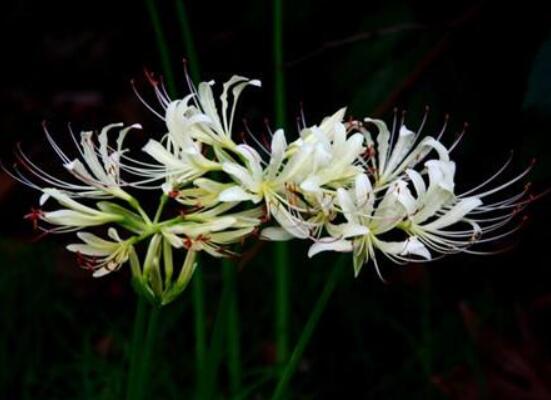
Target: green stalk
(234,350)
(187,37)
(162,45)
(141,350)
(281,259)
(135,348)
(308,330)
(198,293)
(229,272)
(216,348)
(144,373)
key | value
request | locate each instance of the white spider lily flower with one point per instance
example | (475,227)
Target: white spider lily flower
(333,159)
(294,181)
(203,193)
(191,126)
(387,158)
(447,223)
(212,231)
(179,164)
(97,169)
(76,215)
(204,236)
(202,120)
(365,222)
(221,123)
(271,184)
(100,255)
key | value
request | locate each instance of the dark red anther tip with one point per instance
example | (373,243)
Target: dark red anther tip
(533,161)
(465,124)
(447,116)
(427,108)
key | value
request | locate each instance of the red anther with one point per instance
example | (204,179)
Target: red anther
(86,262)
(187,243)
(533,161)
(265,142)
(264,218)
(447,116)
(183,212)
(427,108)
(369,152)
(34,216)
(173,194)
(527,186)
(465,125)
(150,77)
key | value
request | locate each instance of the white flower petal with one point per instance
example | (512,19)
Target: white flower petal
(275,234)
(455,214)
(236,193)
(329,244)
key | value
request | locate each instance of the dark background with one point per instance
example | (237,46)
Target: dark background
(465,327)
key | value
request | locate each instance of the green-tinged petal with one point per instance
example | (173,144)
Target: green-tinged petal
(329,244)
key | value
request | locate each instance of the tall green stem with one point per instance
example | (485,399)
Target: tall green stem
(189,43)
(143,342)
(135,348)
(281,259)
(162,45)
(308,330)
(147,351)
(198,292)
(234,348)
(198,289)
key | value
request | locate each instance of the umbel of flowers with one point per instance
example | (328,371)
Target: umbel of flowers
(344,185)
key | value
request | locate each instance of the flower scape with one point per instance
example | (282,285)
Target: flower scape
(344,185)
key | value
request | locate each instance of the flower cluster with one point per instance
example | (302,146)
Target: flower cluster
(344,185)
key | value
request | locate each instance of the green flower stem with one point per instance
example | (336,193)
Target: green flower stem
(188,41)
(162,204)
(234,348)
(281,260)
(308,330)
(144,373)
(135,348)
(162,45)
(198,293)
(136,206)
